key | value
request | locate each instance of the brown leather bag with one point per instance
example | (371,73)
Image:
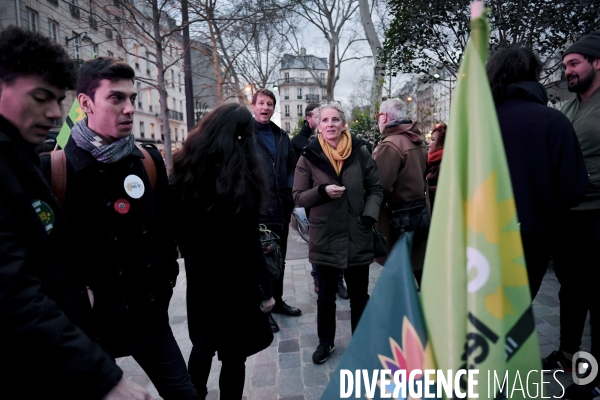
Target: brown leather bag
(58,163)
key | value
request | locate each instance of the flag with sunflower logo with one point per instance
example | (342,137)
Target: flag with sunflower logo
(391,336)
(475,292)
(75,115)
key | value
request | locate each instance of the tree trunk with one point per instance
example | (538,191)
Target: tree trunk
(375,44)
(160,66)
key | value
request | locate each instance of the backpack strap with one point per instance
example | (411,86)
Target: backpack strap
(58,163)
(150,166)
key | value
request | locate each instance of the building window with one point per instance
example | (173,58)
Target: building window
(75,40)
(53,30)
(179,77)
(286,93)
(110,54)
(299,93)
(287,77)
(299,109)
(287,126)
(32,20)
(94,49)
(176,135)
(287,110)
(323,94)
(322,77)
(139,96)
(151,131)
(142,133)
(172,78)
(147,64)
(74,9)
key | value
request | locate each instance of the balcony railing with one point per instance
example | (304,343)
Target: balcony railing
(175,115)
(284,81)
(312,97)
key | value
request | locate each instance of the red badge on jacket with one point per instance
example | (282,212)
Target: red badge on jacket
(122,206)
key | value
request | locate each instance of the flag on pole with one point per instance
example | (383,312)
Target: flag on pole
(475,292)
(75,115)
(391,335)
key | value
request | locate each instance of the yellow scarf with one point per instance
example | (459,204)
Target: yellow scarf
(337,156)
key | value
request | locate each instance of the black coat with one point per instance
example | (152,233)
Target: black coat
(43,302)
(129,259)
(302,139)
(226,275)
(279,173)
(544,158)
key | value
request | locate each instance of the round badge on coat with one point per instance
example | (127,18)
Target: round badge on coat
(134,186)
(122,206)
(44,211)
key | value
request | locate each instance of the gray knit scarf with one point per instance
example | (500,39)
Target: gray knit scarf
(106,153)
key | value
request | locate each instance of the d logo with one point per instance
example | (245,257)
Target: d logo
(589,362)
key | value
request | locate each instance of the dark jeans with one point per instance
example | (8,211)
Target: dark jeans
(231,378)
(282,232)
(357,279)
(165,366)
(577,268)
(315,275)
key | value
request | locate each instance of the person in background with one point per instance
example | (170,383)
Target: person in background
(434,158)
(279,161)
(220,189)
(401,158)
(576,259)
(337,178)
(47,330)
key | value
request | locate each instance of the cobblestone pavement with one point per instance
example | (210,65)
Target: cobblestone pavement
(285,370)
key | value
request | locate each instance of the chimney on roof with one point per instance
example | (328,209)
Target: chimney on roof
(303,52)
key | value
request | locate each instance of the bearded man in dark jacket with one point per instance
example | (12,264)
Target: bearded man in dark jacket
(543,154)
(279,163)
(44,307)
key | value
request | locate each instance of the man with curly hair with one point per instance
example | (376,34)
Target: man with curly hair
(45,311)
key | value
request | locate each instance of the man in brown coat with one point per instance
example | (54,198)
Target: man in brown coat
(401,158)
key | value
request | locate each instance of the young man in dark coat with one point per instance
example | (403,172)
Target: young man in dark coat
(279,162)
(45,311)
(543,154)
(122,229)
(300,141)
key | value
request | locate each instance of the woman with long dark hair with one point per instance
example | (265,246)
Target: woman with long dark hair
(434,158)
(218,181)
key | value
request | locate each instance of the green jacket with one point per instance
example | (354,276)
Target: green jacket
(338,238)
(585,118)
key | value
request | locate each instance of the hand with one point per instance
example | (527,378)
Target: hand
(334,191)
(267,305)
(128,390)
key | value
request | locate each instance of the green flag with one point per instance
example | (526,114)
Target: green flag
(75,115)
(475,292)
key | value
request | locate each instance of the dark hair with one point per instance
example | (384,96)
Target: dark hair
(440,128)
(97,69)
(265,92)
(309,109)
(25,53)
(511,65)
(221,151)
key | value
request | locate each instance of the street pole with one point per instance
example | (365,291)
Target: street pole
(187,68)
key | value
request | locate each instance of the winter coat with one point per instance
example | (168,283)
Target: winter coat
(302,139)
(338,238)
(544,158)
(585,118)
(279,173)
(401,158)
(128,254)
(226,275)
(44,306)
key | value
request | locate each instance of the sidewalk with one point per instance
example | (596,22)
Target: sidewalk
(285,370)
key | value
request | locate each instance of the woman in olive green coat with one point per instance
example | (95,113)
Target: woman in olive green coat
(337,178)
